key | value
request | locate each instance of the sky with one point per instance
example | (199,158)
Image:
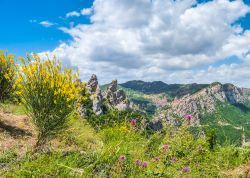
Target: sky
(175,41)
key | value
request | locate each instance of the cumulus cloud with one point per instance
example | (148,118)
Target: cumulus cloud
(73,14)
(86,11)
(172,41)
(46,24)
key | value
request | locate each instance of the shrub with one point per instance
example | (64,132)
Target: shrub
(7,76)
(48,93)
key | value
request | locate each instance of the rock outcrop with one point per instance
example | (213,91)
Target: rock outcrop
(92,84)
(203,101)
(95,95)
(117,97)
(114,98)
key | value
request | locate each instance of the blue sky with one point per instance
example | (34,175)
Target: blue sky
(173,41)
(18,34)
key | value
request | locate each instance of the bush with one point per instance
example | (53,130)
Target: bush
(48,93)
(7,76)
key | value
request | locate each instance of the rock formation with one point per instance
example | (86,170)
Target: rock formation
(95,95)
(114,97)
(92,84)
(203,101)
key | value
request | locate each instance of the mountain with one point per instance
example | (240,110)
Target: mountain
(223,107)
(206,100)
(158,87)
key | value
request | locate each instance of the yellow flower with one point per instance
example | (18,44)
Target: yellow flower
(6,76)
(18,93)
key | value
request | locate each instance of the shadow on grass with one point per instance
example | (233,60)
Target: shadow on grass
(243,107)
(13,131)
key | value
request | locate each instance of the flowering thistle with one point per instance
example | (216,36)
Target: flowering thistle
(188,117)
(122,158)
(165,147)
(133,122)
(137,162)
(173,159)
(199,148)
(185,170)
(157,159)
(144,164)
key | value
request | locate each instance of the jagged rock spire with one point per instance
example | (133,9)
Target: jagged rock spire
(92,83)
(115,97)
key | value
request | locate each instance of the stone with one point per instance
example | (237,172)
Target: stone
(92,84)
(205,101)
(97,102)
(117,97)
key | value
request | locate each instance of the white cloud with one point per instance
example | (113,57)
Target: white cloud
(46,24)
(173,41)
(73,14)
(86,11)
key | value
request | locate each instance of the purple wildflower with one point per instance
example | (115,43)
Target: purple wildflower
(137,162)
(185,170)
(144,164)
(188,117)
(157,159)
(173,159)
(133,122)
(165,147)
(122,158)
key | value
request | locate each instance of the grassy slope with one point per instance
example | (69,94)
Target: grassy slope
(80,151)
(228,120)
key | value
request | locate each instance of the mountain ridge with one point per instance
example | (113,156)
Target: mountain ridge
(224,107)
(157,87)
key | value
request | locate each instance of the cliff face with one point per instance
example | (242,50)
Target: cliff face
(204,101)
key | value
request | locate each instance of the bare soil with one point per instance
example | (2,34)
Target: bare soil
(241,171)
(16,132)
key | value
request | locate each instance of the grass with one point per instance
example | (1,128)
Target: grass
(121,140)
(81,151)
(12,108)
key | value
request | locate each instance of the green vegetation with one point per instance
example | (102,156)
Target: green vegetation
(144,101)
(125,151)
(8,107)
(229,122)
(157,87)
(7,76)
(48,93)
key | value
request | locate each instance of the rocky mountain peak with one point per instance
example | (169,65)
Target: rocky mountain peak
(205,100)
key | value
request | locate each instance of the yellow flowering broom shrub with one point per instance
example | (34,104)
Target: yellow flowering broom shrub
(7,75)
(49,94)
